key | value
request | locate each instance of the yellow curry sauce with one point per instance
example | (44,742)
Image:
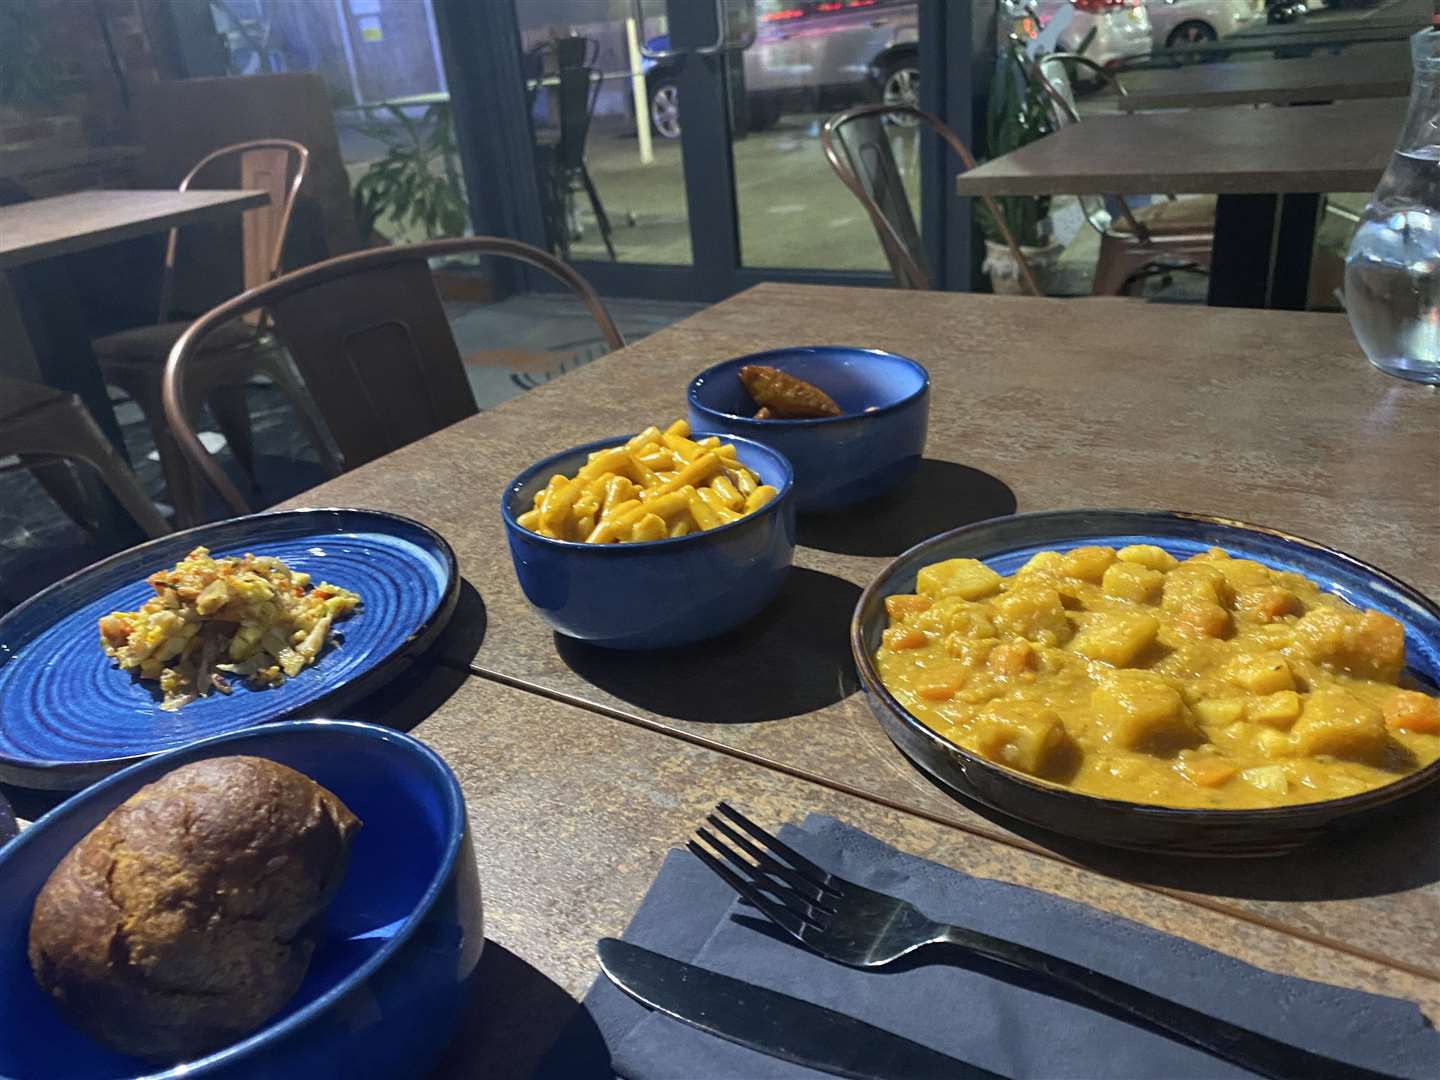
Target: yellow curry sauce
(1213,682)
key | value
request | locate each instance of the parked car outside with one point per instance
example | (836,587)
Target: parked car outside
(1178,24)
(806,52)
(1286,11)
(1108,30)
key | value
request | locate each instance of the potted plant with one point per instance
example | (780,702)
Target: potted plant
(416,185)
(1018,114)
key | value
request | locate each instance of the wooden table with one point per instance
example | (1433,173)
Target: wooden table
(1372,71)
(33,233)
(570,754)
(1269,167)
(89,219)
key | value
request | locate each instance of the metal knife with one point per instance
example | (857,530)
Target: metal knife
(773,1023)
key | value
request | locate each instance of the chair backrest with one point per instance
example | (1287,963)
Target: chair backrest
(275,166)
(870,170)
(857,145)
(575,51)
(370,336)
(1051,73)
(576,100)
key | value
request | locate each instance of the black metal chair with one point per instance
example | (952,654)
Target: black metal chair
(369,335)
(561,164)
(1160,239)
(857,144)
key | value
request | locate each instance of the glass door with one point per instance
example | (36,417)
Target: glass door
(611,177)
(675,143)
(809,61)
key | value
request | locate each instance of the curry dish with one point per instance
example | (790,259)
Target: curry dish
(1214,682)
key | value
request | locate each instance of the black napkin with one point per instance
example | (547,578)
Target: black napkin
(990,1017)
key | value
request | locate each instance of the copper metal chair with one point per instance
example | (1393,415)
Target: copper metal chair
(857,144)
(134,360)
(1165,236)
(369,335)
(43,428)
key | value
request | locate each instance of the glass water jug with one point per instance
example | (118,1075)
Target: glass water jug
(1392,274)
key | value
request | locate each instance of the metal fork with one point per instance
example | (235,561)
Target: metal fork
(853,925)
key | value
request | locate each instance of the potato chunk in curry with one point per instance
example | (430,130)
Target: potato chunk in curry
(1206,681)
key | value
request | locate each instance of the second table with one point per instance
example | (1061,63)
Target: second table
(1268,166)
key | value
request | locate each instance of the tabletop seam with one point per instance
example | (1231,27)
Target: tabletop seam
(1015,843)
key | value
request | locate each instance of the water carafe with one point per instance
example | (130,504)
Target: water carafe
(1392,274)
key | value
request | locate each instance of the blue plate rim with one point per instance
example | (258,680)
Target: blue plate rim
(455,813)
(804,422)
(1326,809)
(510,490)
(377,675)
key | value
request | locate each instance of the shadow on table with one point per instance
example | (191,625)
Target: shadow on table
(409,698)
(429,683)
(1384,855)
(466,632)
(517,1015)
(940,496)
(792,658)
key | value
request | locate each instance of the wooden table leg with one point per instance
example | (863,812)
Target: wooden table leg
(1263,246)
(55,322)
(1240,267)
(1294,247)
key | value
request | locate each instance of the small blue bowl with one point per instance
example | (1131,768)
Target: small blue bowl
(660,592)
(838,460)
(386,987)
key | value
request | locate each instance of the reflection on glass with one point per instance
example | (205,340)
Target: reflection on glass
(607,192)
(809,60)
(384,76)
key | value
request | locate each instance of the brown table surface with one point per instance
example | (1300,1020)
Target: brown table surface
(1342,147)
(1273,417)
(1371,71)
(88,219)
(573,813)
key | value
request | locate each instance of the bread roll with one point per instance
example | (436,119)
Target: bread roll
(185,919)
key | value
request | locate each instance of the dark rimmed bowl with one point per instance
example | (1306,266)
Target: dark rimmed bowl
(1006,543)
(387,985)
(661,592)
(69,716)
(838,460)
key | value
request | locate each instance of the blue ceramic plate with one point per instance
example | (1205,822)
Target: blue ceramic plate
(68,715)
(1005,544)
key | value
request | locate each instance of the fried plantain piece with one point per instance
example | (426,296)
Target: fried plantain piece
(784,396)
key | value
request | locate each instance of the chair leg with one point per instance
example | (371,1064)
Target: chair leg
(180,482)
(277,365)
(1114,266)
(232,416)
(63,487)
(600,216)
(66,429)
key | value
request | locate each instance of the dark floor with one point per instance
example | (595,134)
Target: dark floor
(509,347)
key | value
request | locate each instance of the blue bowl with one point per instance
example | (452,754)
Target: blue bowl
(660,592)
(1005,544)
(386,987)
(838,460)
